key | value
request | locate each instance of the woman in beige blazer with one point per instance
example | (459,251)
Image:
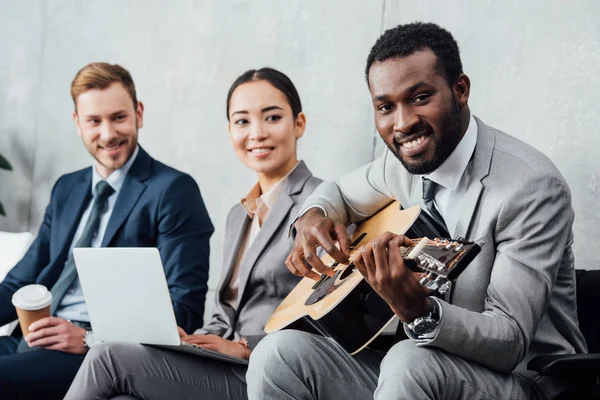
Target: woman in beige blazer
(265,121)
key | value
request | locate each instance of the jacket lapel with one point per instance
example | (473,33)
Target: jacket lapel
(469,203)
(478,169)
(233,241)
(132,189)
(276,217)
(80,196)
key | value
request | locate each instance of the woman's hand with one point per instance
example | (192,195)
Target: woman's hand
(217,343)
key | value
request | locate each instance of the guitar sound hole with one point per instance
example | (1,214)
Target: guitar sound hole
(347,272)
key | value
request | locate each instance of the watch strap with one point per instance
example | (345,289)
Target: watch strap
(423,327)
(87,339)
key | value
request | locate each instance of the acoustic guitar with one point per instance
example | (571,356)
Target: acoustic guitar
(344,307)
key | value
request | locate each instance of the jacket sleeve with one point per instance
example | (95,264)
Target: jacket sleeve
(217,325)
(356,196)
(184,231)
(28,269)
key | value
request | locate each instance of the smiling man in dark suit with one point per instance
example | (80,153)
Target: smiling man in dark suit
(126,199)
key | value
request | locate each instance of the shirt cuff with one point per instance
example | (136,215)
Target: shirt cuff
(313,206)
(292,231)
(430,335)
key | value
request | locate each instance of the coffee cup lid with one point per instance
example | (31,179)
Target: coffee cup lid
(32,297)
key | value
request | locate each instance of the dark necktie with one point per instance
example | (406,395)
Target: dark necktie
(429,187)
(69,272)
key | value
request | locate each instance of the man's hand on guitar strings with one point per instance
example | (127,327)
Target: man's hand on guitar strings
(313,229)
(381,264)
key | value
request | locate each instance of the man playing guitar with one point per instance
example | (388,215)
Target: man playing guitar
(516,300)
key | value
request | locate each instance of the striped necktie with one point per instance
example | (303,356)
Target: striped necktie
(429,188)
(69,272)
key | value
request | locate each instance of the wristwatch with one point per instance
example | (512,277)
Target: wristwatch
(88,339)
(427,323)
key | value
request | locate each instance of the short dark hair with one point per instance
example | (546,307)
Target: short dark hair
(405,40)
(276,78)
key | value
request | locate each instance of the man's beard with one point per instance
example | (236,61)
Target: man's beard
(131,146)
(443,144)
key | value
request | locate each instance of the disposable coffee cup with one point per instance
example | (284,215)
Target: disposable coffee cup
(32,303)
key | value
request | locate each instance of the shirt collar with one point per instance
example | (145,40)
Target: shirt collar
(116,179)
(268,198)
(452,169)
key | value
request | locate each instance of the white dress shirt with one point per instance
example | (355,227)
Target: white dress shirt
(453,179)
(72,306)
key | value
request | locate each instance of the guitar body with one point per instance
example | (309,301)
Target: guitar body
(344,307)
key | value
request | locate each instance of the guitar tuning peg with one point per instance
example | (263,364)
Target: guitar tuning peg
(432,285)
(426,280)
(441,284)
(444,285)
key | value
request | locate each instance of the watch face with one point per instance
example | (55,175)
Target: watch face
(424,326)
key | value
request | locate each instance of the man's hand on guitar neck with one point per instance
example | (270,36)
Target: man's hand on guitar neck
(382,265)
(313,229)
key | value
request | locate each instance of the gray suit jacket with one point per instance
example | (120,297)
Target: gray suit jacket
(516,300)
(264,279)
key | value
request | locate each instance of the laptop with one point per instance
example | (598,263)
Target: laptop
(128,299)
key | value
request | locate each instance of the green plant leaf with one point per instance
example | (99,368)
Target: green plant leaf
(4,164)
(2,209)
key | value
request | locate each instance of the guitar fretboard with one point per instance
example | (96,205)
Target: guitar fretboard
(405,251)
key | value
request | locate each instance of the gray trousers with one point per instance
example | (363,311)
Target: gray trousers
(300,366)
(144,372)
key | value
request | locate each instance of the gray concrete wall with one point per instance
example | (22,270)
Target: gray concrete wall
(534,67)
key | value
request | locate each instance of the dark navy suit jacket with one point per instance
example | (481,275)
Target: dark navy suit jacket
(157,206)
